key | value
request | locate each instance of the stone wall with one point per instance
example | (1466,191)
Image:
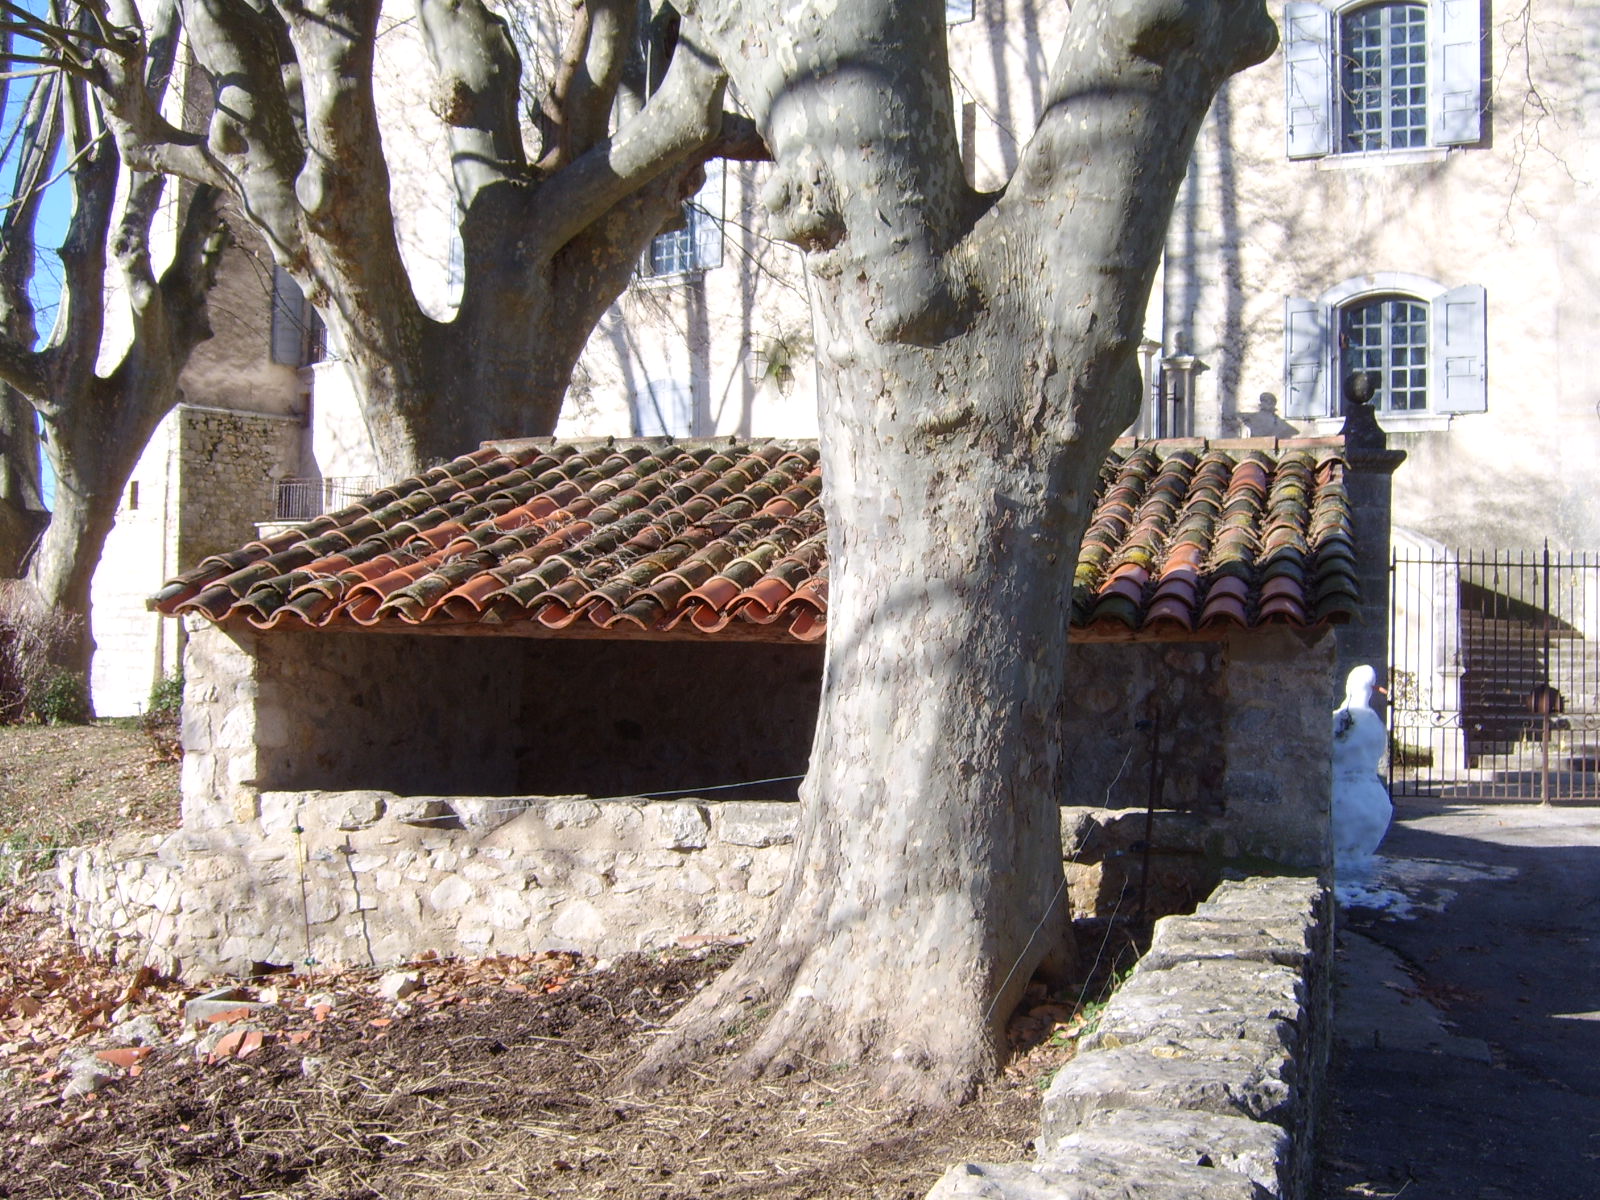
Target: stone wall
(1239,726)
(134,646)
(204,479)
(228,464)
(1203,1077)
(370,876)
(301,710)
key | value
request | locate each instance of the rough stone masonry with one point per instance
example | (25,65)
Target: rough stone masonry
(1204,1074)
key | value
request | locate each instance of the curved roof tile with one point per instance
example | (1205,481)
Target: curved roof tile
(727,537)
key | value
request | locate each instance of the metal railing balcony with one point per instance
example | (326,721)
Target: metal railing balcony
(302,499)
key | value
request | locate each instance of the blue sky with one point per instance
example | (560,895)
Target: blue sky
(53,217)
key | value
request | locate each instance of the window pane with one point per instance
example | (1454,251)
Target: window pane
(1383,80)
(1390,337)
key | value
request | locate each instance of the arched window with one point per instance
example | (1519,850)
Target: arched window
(1362,78)
(1388,335)
(1426,342)
(1383,77)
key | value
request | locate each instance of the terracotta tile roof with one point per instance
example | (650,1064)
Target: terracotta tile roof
(651,537)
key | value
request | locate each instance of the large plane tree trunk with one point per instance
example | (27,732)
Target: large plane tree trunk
(549,240)
(981,359)
(95,425)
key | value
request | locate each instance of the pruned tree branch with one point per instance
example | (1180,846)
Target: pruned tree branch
(479,71)
(682,118)
(588,86)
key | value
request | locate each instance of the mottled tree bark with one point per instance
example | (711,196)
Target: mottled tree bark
(549,240)
(980,355)
(96,425)
(22,513)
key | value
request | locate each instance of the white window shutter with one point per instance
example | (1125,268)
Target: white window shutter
(665,410)
(288,339)
(1455,72)
(708,229)
(1308,80)
(1305,359)
(1459,382)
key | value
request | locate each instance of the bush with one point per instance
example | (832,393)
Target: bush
(62,698)
(33,636)
(161,721)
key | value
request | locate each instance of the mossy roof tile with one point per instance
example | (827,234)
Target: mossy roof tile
(723,537)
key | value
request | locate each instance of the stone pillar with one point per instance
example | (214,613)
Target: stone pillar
(220,692)
(1369,482)
(1276,718)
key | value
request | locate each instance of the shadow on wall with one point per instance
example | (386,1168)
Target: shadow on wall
(533,716)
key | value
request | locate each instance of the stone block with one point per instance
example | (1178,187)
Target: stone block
(426,812)
(280,811)
(1223,999)
(578,923)
(677,825)
(444,859)
(623,818)
(484,814)
(755,823)
(450,894)
(1255,1149)
(237,729)
(569,814)
(695,881)
(508,909)
(323,904)
(1091,1177)
(1285,941)
(1240,1079)
(350,811)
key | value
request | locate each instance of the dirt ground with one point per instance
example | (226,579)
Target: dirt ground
(62,785)
(496,1078)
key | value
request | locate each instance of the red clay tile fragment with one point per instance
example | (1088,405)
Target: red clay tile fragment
(126,1057)
(227,1017)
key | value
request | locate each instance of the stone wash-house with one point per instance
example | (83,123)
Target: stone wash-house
(559,692)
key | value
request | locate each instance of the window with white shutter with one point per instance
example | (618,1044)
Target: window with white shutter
(1425,345)
(1372,79)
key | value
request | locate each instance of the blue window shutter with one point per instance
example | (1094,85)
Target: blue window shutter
(706,220)
(1455,70)
(288,340)
(1308,80)
(1305,359)
(665,410)
(1459,383)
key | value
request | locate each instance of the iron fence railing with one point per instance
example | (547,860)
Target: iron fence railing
(302,499)
(1495,674)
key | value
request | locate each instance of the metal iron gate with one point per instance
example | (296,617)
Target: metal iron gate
(1494,674)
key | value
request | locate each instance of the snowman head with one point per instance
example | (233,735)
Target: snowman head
(1358,686)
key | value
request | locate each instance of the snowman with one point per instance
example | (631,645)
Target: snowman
(1361,804)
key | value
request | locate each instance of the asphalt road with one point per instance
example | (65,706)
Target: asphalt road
(1466,1059)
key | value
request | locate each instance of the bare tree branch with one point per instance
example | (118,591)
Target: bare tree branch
(680,119)
(80,321)
(480,72)
(589,91)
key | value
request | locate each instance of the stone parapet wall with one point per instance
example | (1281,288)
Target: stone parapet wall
(369,876)
(1203,1078)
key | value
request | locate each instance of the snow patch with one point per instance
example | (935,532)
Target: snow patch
(1405,888)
